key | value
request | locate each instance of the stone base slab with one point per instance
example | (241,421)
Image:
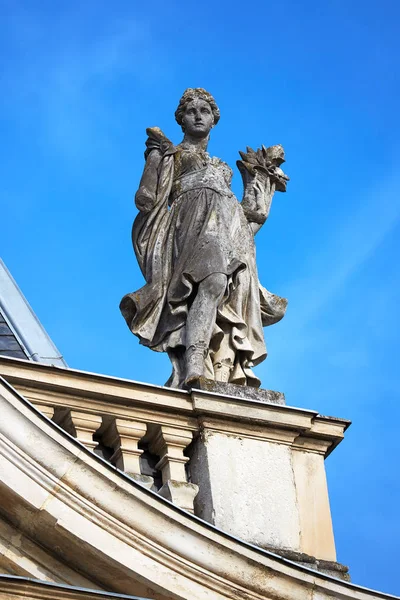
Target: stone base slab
(180,493)
(240,391)
(144,480)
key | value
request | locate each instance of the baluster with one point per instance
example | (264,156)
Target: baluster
(169,444)
(81,425)
(123,436)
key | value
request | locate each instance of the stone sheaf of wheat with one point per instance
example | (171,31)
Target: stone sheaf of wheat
(266,161)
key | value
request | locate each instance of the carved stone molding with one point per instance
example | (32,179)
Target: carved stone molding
(127,538)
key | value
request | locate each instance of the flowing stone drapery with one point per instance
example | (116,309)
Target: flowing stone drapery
(190,226)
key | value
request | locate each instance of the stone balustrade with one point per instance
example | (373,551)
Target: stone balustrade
(100,431)
(118,421)
(121,441)
(251,466)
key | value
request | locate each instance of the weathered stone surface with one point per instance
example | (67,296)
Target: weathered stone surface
(246,487)
(119,536)
(246,392)
(83,520)
(259,466)
(332,568)
(180,493)
(268,488)
(202,303)
(144,480)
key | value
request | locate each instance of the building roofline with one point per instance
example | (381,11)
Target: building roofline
(24,324)
(344,588)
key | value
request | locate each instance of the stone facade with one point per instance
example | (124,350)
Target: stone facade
(69,517)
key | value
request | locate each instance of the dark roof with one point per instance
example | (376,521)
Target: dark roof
(21,333)
(9,344)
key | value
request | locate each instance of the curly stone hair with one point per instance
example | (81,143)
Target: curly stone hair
(189,95)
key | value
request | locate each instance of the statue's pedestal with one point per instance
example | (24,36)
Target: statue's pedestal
(259,466)
(237,457)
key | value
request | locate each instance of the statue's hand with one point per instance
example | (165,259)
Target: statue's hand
(264,190)
(262,176)
(257,200)
(156,141)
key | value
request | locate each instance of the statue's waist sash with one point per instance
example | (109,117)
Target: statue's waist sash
(208,177)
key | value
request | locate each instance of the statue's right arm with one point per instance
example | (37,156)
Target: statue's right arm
(157,144)
(145,197)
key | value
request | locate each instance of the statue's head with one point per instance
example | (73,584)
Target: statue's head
(197,112)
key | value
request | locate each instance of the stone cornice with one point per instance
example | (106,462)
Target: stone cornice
(100,394)
(118,533)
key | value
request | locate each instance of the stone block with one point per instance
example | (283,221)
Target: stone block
(246,487)
(240,391)
(180,493)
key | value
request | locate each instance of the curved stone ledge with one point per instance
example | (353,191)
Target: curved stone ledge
(13,588)
(126,538)
(206,450)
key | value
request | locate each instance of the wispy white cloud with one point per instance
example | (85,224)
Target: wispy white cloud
(338,278)
(69,78)
(348,247)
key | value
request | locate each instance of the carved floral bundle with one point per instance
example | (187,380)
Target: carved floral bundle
(266,162)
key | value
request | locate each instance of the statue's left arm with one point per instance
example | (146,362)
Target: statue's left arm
(257,200)
(262,176)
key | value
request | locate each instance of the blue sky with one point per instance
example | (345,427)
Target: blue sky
(80,83)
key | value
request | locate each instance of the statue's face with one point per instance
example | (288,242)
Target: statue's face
(198,118)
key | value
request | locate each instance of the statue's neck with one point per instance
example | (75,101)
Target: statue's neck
(191,143)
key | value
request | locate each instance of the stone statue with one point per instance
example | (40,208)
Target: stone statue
(202,302)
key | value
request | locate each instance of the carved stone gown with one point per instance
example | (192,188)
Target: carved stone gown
(197,227)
